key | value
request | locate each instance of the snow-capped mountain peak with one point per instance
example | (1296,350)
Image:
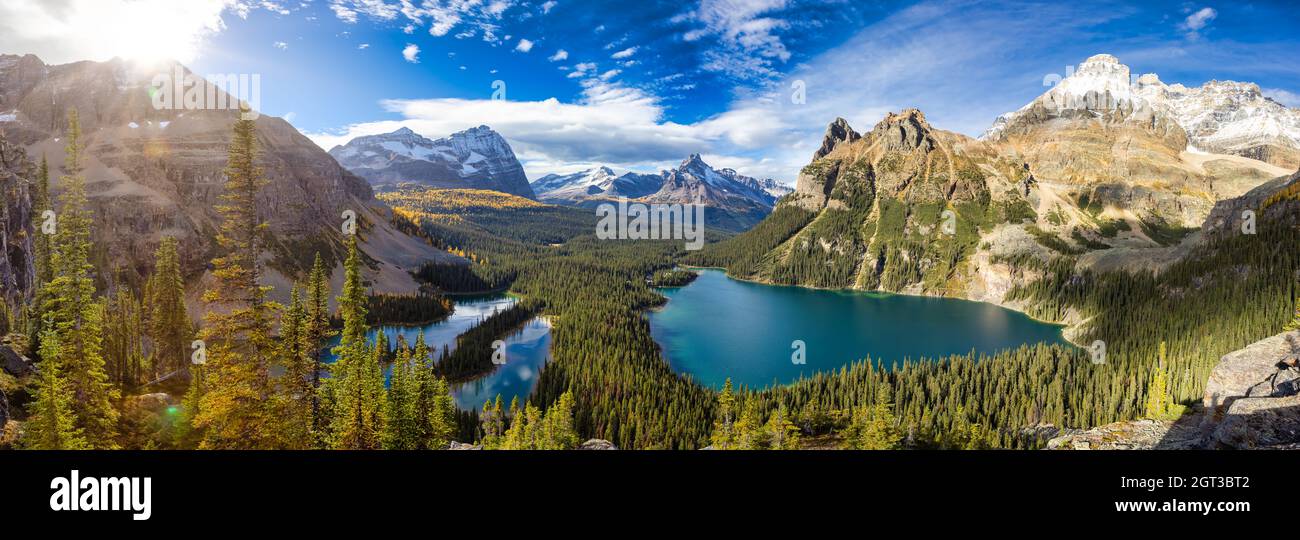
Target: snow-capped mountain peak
(1219,116)
(477,157)
(1097,76)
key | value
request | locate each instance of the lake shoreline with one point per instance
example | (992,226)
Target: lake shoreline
(733,328)
(1067,329)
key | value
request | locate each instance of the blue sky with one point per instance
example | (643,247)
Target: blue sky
(639,85)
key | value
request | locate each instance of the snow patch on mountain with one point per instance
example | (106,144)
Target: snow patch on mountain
(475,158)
(1220,116)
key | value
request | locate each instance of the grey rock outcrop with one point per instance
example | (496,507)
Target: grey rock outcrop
(1260,422)
(1252,372)
(1251,399)
(13,362)
(597,444)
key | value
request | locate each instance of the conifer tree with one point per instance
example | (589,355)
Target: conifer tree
(41,245)
(170,328)
(440,422)
(724,423)
(492,422)
(402,429)
(558,432)
(236,409)
(183,432)
(781,431)
(51,425)
(1295,321)
(1158,388)
(874,427)
(70,308)
(435,406)
(296,391)
(750,430)
(123,351)
(356,385)
(316,329)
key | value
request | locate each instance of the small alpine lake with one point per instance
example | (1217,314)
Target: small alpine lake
(527,349)
(718,327)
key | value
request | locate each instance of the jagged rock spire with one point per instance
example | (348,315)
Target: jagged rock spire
(836,133)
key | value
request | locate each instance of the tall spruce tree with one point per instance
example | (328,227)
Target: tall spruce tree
(42,245)
(724,421)
(402,429)
(236,409)
(123,350)
(782,432)
(170,328)
(1158,388)
(70,308)
(558,431)
(51,424)
(296,392)
(356,387)
(316,329)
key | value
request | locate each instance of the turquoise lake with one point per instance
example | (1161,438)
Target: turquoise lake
(717,327)
(527,349)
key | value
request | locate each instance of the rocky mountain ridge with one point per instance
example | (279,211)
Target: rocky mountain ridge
(733,201)
(153,172)
(1222,117)
(476,158)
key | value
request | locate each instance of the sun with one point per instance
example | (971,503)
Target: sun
(148,30)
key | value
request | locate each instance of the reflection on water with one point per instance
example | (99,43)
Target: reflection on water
(527,349)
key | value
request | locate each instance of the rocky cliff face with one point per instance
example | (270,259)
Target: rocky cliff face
(1228,117)
(477,158)
(904,208)
(153,172)
(733,201)
(1137,150)
(17,273)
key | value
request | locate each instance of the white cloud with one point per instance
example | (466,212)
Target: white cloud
(582,69)
(1197,21)
(344,14)
(559,55)
(281,45)
(411,53)
(72,30)
(363,46)
(524,45)
(935,56)
(347,10)
(625,53)
(747,34)
(1285,97)
(548,6)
